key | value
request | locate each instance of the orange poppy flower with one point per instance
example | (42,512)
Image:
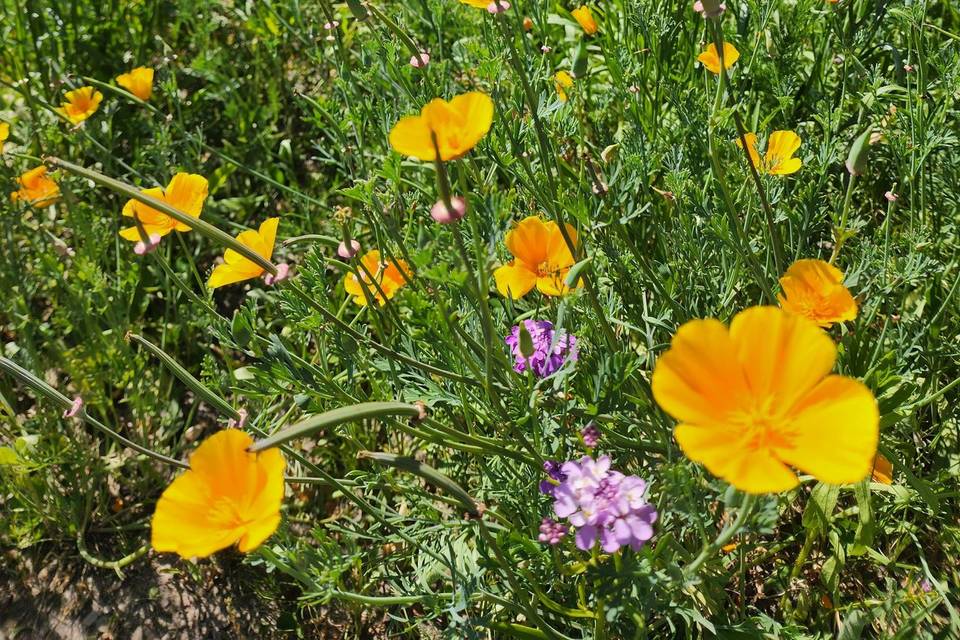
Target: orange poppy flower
(778,160)
(814,289)
(80,104)
(186,192)
(388,278)
(584,18)
(882,470)
(235,267)
(757,399)
(711,59)
(457,125)
(561,82)
(228,496)
(139,82)
(541,259)
(36,188)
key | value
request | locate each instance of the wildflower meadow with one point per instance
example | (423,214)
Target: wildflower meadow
(479,319)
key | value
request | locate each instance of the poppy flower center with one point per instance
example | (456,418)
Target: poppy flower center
(763,430)
(225,511)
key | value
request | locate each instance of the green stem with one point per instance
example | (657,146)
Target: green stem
(841,231)
(202,227)
(708,551)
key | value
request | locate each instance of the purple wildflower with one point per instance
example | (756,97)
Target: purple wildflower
(590,435)
(604,504)
(551,531)
(550,348)
(553,469)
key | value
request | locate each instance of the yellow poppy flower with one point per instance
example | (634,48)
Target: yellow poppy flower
(80,104)
(542,259)
(235,267)
(778,160)
(561,82)
(186,192)
(757,399)
(814,289)
(584,17)
(228,496)
(4,134)
(711,60)
(479,4)
(388,277)
(139,82)
(458,126)
(882,470)
(36,188)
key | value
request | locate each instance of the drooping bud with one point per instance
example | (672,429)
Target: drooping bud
(420,60)
(444,215)
(142,248)
(347,252)
(283,272)
(74,409)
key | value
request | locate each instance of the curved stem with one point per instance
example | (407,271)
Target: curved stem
(749,502)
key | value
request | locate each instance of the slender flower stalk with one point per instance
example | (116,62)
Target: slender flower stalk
(200,226)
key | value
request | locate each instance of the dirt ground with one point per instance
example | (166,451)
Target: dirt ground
(45,594)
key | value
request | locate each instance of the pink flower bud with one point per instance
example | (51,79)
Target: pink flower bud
(74,408)
(348,252)
(330,26)
(891,196)
(143,248)
(240,422)
(498,6)
(546,49)
(420,60)
(283,272)
(443,215)
(908,68)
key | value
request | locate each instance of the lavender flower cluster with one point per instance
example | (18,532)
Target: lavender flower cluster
(550,349)
(599,503)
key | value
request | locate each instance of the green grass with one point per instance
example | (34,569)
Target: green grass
(284,121)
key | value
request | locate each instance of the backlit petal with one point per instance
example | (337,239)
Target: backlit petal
(411,137)
(782,355)
(529,241)
(514,280)
(699,380)
(723,452)
(834,431)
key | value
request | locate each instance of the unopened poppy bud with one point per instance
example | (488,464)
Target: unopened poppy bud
(580,61)
(527,23)
(526,341)
(444,215)
(420,60)
(347,252)
(283,272)
(357,9)
(857,158)
(74,409)
(143,248)
(609,153)
(498,6)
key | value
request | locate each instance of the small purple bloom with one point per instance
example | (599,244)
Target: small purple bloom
(551,531)
(590,435)
(550,348)
(603,504)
